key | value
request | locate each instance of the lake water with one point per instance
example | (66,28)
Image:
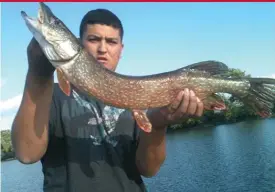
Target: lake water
(229,158)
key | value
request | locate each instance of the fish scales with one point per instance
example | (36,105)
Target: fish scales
(141,92)
(134,92)
(75,66)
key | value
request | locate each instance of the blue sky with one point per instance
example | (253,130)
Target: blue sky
(158,37)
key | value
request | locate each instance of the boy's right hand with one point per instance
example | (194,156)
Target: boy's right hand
(39,65)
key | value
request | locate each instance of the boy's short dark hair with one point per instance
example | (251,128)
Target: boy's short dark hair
(101,16)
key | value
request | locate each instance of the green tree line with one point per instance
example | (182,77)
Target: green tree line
(6,146)
(235,112)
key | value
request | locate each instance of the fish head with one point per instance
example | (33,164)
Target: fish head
(56,41)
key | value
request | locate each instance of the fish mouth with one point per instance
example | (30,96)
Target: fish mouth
(39,27)
(44,16)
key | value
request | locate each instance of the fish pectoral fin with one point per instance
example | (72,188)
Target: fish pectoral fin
(63,83)
(212,67)
(214,102)
(142,120)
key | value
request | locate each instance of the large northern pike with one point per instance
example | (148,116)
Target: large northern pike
(137,93)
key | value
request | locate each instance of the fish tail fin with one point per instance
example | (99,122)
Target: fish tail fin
(261,96)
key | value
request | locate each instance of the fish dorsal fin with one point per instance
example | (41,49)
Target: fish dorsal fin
(211,67)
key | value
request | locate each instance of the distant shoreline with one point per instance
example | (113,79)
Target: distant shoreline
(9,156)
(214,124)
(8,159)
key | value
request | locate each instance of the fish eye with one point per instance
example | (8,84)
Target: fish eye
(56,21)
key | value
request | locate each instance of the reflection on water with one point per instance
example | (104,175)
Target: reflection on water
(17,177)
(238,157)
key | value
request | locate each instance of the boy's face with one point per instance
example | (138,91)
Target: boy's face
(104,43)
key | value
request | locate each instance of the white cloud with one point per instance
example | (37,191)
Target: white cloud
(6,122)
(268,76)
(8,107)
(11,103)
(55,77)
